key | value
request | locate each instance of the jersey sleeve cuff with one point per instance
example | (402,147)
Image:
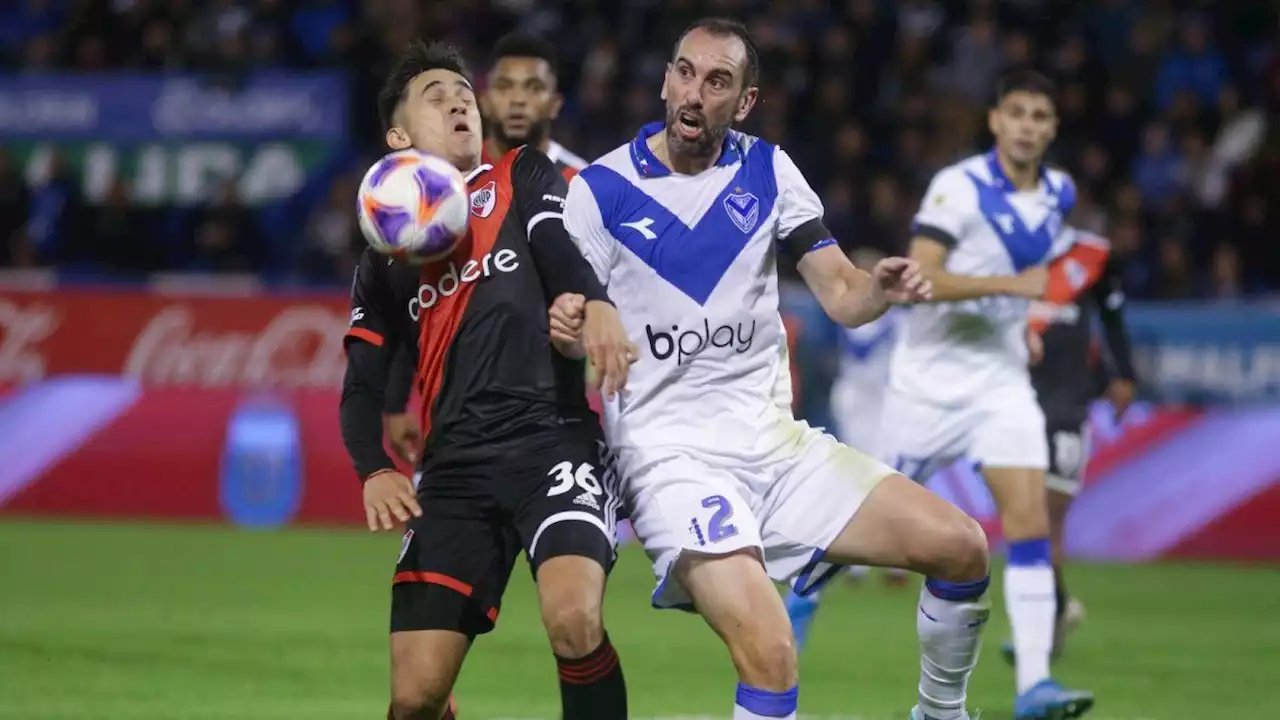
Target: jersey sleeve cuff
(806,238)
(367,335)
(934,233)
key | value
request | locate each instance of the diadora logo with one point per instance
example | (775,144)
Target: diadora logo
(642,226)
(484,199)
(357,314)
(684,344)
(503,261)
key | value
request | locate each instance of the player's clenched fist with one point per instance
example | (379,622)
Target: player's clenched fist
(389,500)
(605,342)
(901,281)
(567,315)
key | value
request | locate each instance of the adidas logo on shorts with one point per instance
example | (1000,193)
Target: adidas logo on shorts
(587,499)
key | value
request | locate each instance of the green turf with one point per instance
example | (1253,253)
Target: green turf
(155,622)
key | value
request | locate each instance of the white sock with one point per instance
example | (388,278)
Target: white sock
(1029,599)
(756,704)
(950,633)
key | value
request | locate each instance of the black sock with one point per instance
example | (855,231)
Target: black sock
(1060,591)
(591,687)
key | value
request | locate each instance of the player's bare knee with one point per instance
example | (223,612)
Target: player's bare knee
(968,554)
(575,629)
(766,658)
(955,549)
(418,699)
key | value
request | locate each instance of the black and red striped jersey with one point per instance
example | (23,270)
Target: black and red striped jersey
(486,369)
(566,162)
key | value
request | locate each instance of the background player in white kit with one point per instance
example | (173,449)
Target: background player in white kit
(726,489)
(959,384)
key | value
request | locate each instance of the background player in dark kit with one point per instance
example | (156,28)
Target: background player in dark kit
(512,455)
(1083,284)
(522,99)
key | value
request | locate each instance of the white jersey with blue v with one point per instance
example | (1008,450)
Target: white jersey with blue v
(711,457)
(959,384)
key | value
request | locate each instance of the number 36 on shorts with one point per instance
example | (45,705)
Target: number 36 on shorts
(567,477)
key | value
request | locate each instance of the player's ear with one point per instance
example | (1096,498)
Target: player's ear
(745,103)
(398,139)
(557,102)
(993,120)
(665,75)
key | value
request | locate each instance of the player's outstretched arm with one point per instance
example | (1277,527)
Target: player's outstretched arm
(931,254)
(851,296)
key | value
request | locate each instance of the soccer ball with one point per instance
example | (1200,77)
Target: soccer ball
(413,206)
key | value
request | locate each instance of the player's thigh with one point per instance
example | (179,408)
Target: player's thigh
(836,506)
(918,438)
(565,499)
(566,516)
(737,599)
(681,505)
(455,561)
(424,668)
(1010,447)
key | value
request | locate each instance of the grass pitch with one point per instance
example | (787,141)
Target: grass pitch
(150,622)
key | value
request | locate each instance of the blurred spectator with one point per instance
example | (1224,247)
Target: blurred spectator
(15,201)
(1192,66)
(333,235)
(1165,117)
(226,238)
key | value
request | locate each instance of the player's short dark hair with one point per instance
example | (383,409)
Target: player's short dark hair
(416,59)
(721,27)
(519,45)
(1028,81)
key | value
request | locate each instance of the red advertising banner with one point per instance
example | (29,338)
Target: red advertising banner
(168,340)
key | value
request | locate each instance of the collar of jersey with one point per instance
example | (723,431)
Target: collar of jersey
(1000,180)
(648,164)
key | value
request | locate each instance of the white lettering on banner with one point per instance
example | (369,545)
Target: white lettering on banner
(21,329)
(300,347)
(1229,371)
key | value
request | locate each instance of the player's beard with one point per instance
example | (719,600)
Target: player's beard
(707,143)
(537,132)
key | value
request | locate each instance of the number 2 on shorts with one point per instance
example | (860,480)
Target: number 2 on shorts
(718,526)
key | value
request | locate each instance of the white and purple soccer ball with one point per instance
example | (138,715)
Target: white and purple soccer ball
(413,206)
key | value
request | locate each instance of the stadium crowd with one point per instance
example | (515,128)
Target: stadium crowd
(1167,116)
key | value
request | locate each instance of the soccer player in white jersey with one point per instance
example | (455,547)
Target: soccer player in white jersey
(726,488)
(959,383)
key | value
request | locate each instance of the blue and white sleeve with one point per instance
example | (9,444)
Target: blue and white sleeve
(585,223)
(800,211)
(946,208)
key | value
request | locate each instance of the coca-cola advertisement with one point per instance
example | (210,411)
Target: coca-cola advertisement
(163,339)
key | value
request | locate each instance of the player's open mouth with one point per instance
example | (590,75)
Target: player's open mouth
(462,126)
(688,125)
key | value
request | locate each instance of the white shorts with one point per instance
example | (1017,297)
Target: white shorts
(1001,429)
(789,507)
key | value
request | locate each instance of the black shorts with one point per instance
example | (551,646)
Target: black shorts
(1068,455)
(554,494)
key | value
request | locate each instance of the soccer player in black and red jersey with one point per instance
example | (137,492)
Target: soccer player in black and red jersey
(513,457)
(522,100)
(519,105)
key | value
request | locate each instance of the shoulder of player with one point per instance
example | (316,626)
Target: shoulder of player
(561,154)
(957,180)
(1060,179)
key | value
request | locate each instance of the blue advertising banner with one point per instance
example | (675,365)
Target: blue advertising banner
(1219,353)
(173,107)
(174,139)
(1195,353)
